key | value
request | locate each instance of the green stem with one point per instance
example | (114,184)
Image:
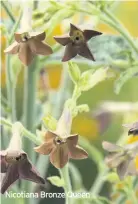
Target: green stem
(7,9)
(26,133)
(11,37)
(115,23)
(64,172)
(8,81)
(29,109)
(98,183)
(29,100)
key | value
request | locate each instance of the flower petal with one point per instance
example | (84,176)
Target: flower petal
(28,172)
(10,177)
(39,48)
(59,156)
(49,136)
(25,54)
(132,168)
(110,147)
(40,36)
(70,52)
(3,163)
(77,152)
(18,37)
(84,51)
(73,28)
(122,169)
(45,148)
(72,140)
(114,159)
(13,48)
(63,40)
(88,34)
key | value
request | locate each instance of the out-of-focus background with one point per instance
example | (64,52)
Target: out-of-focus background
(104,120)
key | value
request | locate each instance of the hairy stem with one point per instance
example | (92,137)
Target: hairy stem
(7,9)
(29,101)
(29,109)
(64,172)
(115,23)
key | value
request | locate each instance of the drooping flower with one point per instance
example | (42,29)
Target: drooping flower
(76,42)
(27,45)
(122,158)
(15,163)
(60,144)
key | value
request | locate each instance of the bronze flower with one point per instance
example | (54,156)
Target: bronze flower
(27,45)
(16,165)
(60,144)
(122,158)
(76,42)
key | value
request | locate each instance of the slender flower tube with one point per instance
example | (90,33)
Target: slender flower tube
(15,163)
(76,42)
(60,144)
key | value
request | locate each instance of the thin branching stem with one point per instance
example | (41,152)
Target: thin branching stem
(8,10)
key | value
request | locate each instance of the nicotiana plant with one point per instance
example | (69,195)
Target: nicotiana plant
(56,138)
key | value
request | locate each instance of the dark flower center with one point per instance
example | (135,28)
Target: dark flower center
(13,157)
(77,38)
(18,158)
(59,140)
(25,38)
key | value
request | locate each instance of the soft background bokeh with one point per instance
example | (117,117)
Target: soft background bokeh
(89,124)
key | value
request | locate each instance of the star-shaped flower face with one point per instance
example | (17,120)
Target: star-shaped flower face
(122,158)
(76,42)
(15,165)
(61,149)
(27,45)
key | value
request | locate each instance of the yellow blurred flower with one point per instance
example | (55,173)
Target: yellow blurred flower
(85,126)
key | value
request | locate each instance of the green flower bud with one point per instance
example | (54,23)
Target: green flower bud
(74,72)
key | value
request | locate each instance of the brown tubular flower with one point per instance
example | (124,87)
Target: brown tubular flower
(76,43)
(27,45)
(60,145)
(122,158)
(16,165)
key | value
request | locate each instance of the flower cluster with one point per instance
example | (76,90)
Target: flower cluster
(124,159)
(29,44)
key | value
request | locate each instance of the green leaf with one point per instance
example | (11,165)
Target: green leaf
(124,77)
(89,80)
(56,181)
(74,72)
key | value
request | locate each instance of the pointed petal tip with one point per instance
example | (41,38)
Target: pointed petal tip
(64,59)
(37,149)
